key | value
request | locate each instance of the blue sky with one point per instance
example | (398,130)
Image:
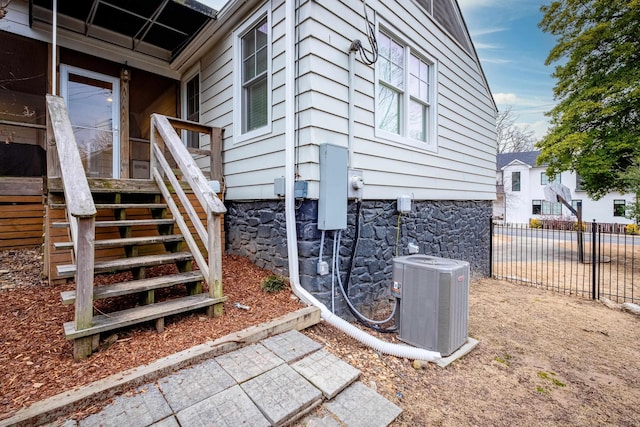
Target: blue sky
(512,51)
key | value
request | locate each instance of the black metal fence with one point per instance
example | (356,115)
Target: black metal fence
(605,264)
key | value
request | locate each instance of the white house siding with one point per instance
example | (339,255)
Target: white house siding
(463,166)
(518,205)
(251,166)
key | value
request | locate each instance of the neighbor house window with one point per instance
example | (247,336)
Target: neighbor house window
(544,179)
(579,183)
(536,207)
(192,109)
(543,207)
(515,181)
(575,202)
(405,94)
(252,89)
(619,207)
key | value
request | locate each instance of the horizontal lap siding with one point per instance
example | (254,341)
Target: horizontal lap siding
(462,168)
(250,167)
(21,212)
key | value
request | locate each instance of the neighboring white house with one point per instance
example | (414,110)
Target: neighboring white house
(395,87)
(521,196)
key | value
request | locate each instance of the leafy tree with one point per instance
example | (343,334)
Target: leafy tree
(595,127)
(512,138)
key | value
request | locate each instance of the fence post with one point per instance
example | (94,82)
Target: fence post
(490,247)
(594,227)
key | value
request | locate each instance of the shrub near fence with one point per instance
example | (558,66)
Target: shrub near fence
(549,258)
(568,225)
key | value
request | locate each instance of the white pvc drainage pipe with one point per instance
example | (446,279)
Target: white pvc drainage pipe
(292,241)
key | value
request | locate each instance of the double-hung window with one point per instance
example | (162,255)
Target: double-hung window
(405,107)
(253,77)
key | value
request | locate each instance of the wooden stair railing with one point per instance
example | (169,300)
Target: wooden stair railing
(64,161)
(154,234)
(163,135)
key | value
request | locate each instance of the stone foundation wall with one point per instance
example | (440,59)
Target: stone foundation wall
(450,229)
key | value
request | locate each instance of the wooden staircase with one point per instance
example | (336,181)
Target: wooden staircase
(133,225)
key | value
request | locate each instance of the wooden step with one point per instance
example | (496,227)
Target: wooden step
(131,241)
(135,286)
(123,264)
(117,205)
(114,186)
(123,223)
(132,316)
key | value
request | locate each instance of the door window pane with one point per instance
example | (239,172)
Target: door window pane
(193,110)
(90,104)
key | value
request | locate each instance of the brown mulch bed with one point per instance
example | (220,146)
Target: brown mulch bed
(544,359)
(37,360)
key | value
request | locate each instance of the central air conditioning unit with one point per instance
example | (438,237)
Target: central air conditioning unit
(433,302)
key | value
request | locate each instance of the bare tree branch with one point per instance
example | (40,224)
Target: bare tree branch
(512,138)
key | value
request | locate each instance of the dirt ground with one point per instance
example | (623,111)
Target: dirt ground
(544,359)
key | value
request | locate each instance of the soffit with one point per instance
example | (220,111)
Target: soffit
(158,28)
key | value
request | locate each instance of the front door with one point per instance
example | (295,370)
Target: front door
(93,103)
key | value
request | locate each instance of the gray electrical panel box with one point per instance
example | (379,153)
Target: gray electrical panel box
(433,298)
(332,203)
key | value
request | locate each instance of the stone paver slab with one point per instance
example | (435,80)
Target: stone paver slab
(319,421)
(327,372)
(281,394)
(231,407)
(146,406)
(359,406)
(291,346)
(167,422)
(248,362)
(189,386)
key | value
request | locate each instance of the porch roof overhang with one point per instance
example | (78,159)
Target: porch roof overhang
(160,29)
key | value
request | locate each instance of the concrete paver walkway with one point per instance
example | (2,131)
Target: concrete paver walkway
(271,383)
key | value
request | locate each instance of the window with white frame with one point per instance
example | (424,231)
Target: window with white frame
(515,181)
(619,207)
(405,93)
(544,179)
(192,108)
(543,207)
(253,76)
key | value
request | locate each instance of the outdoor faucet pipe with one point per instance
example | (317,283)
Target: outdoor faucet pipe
(292,241)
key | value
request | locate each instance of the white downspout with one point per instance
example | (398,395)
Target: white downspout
(54,49)
(292,241)
(352,90)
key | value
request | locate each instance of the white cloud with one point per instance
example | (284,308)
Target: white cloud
(488,30)
(495,60)
(486,46)
(505,98)
(469,4)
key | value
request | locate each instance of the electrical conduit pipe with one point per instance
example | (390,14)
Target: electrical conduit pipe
(397,350)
